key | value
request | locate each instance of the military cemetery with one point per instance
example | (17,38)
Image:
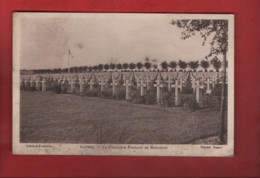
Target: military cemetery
(184,90)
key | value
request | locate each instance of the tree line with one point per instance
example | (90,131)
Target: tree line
(165,66)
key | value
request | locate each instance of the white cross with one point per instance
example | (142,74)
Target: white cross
(138,81)
(193,82)
(59,80)
(169,81)
(181,82)
(26,81)
(127,85)
(142,85)
(177,87)
(81,81)
(31,82)
(199,86)
(37,82)
(43,84)
(102,83)
(148,82)
(91,83)
(72,82)
(114,84)
(158,86)
(208,91)
(81,84)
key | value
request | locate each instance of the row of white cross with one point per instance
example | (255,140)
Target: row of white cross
(143,83)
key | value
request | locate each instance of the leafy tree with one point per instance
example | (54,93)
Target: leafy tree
(147,65)
(182,64)
(204,64)
(173,65)
(85,68)
(112,66)
(139,65)
(218,30)
(81,68)
(119,66)
(75,69)
(164,65)
(90,68)
(155,66)
(132,66)
(194,65)
(100,67)
(216,63)
(125,66)
(106,66)
(95,68)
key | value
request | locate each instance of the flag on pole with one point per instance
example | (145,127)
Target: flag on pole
(70,53)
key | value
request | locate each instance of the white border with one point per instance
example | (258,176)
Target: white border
(86,149)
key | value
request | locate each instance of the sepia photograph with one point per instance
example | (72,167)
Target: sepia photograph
(157,84)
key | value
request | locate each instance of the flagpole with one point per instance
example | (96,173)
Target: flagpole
(68,61)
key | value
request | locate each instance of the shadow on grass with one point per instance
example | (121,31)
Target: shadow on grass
(50,118)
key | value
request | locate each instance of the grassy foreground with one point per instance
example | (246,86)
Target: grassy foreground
(47,117)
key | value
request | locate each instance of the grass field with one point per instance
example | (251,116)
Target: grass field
(47,117)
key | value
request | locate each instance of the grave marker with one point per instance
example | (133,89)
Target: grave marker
(60,81)
(114,84)
(208,91)
(91,83)
(44,84)
(193,84)
(169,81)
(199,87)
(142,86)
(38,84)
(26,82)
(127,85)
(213,81)
(102,83)
(72,83)
(181,82)
(177,87)
(158,86)
(137,82)
(81,85)
(148,83)
(31,82)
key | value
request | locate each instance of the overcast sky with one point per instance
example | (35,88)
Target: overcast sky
(103,38)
